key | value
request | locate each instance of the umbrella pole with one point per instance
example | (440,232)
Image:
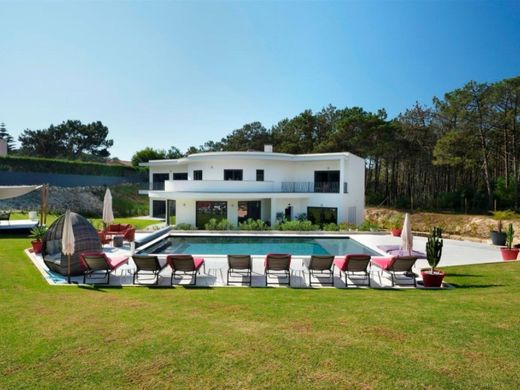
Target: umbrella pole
(68,267)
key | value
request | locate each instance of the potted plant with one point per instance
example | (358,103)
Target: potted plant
(498,237)
(37,233)
(508,252)
(432,277)
(396,224)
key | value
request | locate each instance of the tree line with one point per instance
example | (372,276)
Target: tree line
(460,153)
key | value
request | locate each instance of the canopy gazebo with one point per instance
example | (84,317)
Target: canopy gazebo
(9,192)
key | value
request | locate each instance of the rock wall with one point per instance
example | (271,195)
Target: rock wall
(82,200)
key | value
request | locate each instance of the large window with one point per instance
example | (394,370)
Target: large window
(204,211)
(232,174)
(180,176)
(259,175)
(197,175)
(322,215)
(250,209)
(158,181)
(159,208)
(326,181)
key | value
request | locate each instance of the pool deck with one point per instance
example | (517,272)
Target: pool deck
(455,252)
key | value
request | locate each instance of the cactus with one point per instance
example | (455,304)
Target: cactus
(509,236)
(434,247)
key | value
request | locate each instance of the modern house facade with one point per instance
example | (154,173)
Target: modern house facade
(327,187)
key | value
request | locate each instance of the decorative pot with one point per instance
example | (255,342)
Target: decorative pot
(37,246)
(509,254)
(396,232)
(432,279)
(498,238)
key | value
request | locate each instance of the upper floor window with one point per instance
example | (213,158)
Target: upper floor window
(197,175)
(259,175)
(180,176)
(232,174)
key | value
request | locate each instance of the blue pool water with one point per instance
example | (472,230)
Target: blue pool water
(257,245)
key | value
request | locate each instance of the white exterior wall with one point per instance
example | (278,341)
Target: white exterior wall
(276,171)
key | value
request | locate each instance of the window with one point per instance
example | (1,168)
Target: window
(158,208)
(232,174)
(158,181)
(249,210)
(322,215)
(204,211)
(197,175)
(326,181)
(180,176)
(259,175)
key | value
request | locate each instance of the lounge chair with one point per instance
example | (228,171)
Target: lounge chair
(96,262)
(185,265)
(239,264)
(276,265)
(354,264)
(103,237)
(395,265)
(147,264)
(320,265)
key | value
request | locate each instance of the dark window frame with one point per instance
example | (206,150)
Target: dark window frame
(260,175)
(321,222)
(196,174)
(233,174)
(184,176)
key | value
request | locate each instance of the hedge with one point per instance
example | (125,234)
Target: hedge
(48,165)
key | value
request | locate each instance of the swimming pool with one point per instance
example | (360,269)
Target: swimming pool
(257,245)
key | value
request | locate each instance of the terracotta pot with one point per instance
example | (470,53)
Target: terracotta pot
(37,246)
(509,254)
(432,280)
(396,232)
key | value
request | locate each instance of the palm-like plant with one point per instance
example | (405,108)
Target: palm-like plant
(38,232)
(509,236)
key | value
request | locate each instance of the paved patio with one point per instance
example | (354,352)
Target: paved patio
(454,253)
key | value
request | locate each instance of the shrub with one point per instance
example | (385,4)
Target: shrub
(183,226)
(251,224)
(223,224)
(297,226)
(367,225)
(330,227)
(347,226)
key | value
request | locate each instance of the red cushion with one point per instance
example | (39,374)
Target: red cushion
(198,262)
(116,261)
(341,263)
(383,262)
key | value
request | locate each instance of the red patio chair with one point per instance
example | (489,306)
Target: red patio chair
(96,262)
(354,264)
(185,265)
(396,265)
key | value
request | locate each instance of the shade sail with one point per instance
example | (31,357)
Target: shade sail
(8,192)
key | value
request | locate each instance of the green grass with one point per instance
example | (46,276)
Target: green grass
(138,223)
(70,337)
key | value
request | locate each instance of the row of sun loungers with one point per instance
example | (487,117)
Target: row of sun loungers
(99,266)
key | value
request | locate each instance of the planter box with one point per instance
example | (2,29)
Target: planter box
(509,254)
(498,238)
(432,280)
(396,232)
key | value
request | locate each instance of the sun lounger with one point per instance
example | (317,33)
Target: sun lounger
(148,265)
(399,268)
(354,264)
(185,265)
(320,266)
(395,250)
(239,264)
(277,265)
(99,262)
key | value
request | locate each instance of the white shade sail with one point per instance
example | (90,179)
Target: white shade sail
(406,235)
(8,192)
(67,238)
(108,214)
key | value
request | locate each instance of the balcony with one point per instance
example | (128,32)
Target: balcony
(243,186)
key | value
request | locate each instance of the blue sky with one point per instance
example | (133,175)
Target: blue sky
(181,73)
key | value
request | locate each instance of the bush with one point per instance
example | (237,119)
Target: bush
(184,226)
(347,226)
(330,227)
(223,224)
(251,224)
(301,226)
(367,225)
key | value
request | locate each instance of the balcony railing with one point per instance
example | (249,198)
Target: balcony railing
(244,186)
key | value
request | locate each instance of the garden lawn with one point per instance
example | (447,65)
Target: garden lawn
(137,222)
(70,337)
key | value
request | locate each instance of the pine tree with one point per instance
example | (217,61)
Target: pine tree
(6,136)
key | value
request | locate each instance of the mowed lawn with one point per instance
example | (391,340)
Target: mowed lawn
(82,337)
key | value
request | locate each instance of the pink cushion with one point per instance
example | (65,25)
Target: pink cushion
(341,263)
(198,262)
(383,262)
(116,261)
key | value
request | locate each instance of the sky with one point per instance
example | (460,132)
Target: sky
(164,74)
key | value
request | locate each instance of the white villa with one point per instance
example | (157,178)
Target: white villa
(327,187)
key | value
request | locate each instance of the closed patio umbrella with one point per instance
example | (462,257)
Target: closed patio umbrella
(108,214)
(67,240)
(406,235)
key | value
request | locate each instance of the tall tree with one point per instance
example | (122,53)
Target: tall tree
(6,137)
(146,155)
